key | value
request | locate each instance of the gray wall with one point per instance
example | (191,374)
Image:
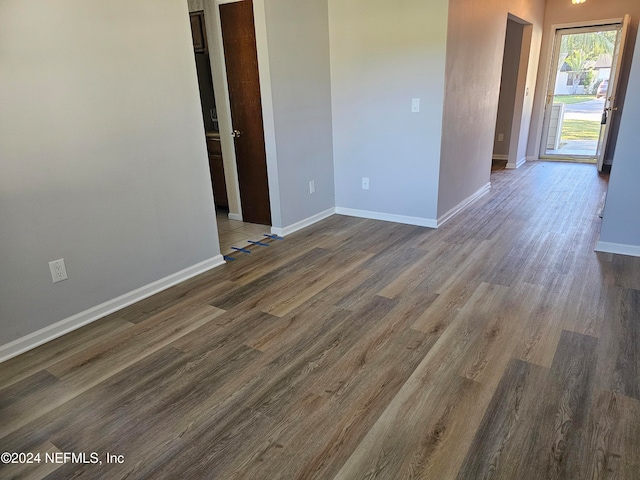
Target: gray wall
(383,54)
(508,84)
(561,12)
(298,45)
(475,46)
(621,222)
(102,154)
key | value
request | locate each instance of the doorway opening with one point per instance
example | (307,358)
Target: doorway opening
(581,93)
(239,178)
(509,148)
(245,103)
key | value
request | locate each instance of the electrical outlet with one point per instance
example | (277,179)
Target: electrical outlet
(365,183)
(312,187)
(501,137)
(415,105)
(58,270)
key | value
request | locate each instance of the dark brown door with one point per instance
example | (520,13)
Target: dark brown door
(241,58)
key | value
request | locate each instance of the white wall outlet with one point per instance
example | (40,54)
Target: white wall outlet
(58,270)
(312,187)
(415,105)
(365,183)
(501,137)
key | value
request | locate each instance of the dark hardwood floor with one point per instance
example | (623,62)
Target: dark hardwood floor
(498,346)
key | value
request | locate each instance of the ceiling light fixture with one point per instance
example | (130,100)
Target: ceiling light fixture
(577,2)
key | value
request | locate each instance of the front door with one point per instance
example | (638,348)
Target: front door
(581,93)
(611,105)
(241,60)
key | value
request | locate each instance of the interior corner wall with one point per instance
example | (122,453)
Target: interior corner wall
(563,12)
(621,218)
(299,66)
(102,154)
(508,86)
(475,46)
(384,54)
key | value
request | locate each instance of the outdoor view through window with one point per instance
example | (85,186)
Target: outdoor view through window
(583,63)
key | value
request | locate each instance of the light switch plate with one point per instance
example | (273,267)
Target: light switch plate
(415,105)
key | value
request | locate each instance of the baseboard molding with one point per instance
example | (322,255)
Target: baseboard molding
(500,157)
(518,164)
(618,248)
(463,204)
(387,217)
(283,232)
(81,319)
(235,216)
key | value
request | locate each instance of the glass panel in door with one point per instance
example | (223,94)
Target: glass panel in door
(583,60)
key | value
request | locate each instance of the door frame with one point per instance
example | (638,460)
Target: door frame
(221,91)
(548,65)
(517,151)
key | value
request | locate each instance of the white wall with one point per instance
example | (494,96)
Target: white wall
(298,49)
(621,220)
(383,54)
(102,154)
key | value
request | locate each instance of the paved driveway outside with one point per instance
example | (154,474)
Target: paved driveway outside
(589,110)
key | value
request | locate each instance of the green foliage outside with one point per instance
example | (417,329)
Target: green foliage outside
(588,46)
(580,130)
(572,99)
(576,50)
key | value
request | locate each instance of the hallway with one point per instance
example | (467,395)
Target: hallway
(498,343)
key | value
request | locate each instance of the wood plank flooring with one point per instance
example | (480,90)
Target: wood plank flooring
(498,346)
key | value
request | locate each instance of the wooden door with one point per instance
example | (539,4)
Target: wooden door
(241,59)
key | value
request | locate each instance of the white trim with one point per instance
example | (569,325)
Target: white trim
(283,232)
(463,204)
(587,23)
(268,111)
(235,216)
(618,248)
(511,166)
(74,322)
(221,92)
(388,217)
(500,157)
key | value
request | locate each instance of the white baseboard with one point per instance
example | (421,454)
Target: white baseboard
(283,232)
(500,157)
(463,204)
(387,217)
(511,166)
(235,216)
(618,248)
(74,322)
